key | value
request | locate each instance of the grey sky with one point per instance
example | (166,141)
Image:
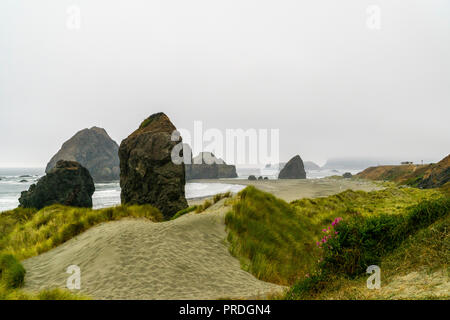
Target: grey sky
(310,68)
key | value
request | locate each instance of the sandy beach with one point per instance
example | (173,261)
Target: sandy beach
(293,189)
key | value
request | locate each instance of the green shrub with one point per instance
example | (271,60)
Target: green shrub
(12,273)
(364,241)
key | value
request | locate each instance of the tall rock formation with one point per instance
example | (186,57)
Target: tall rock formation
(68,183)
(94,150)
(294,169)
(147,173)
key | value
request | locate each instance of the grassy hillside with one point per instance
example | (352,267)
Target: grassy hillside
(279,242)
(423,176)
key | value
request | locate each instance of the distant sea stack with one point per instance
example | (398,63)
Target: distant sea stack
(94,150)
(294,169)
(207,166)
(68,183)
(147,173)
(309,165)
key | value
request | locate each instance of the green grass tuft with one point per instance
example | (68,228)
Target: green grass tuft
(183,212)
(12,273)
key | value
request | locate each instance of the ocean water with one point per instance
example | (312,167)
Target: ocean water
(14,181)
(311,174)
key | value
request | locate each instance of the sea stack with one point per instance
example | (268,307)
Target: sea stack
(94,150)
(207,166)
(147,173)
(68,183)
(294,169)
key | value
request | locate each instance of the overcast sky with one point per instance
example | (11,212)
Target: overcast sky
(313,69)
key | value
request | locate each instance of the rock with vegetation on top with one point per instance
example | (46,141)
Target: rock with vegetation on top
(94,150)
(251,177)
(68,183)
(147,173)
(294,169)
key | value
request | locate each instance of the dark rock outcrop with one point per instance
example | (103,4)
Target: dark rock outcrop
(347,175)
(94,150)
(260,178)
(147,173)
(294,169)
(251,177)
(207,166)
(68,183)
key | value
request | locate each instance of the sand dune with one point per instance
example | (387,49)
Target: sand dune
(136,259)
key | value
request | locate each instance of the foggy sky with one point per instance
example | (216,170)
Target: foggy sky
(312,69)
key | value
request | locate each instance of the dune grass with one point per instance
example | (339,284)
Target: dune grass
(53,294)
(276,241)
(183,212)
(208,203)
(272,240)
